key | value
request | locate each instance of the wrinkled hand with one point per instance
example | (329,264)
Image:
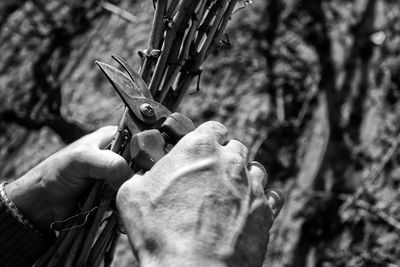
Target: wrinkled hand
(50,191)
(202,204)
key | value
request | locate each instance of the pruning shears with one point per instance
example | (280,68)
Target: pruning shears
(148,129)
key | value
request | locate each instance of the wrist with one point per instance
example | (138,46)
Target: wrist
(180,261)
(28,193)
(177,253)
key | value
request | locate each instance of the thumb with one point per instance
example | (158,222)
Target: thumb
(109,166)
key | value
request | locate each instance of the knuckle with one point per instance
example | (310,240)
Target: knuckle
(196,138)
(242,147)
(80,154)
(237,159)
(201,143)
(214,126)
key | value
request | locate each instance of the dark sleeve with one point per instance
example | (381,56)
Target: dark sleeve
(19,245)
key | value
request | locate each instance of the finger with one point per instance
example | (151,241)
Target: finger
(215,129)
(100,138)
(237,147)
(105,136)
(275,200)
(258,173)
(109,166)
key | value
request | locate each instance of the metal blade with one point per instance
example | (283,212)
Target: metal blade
(135,77)
(121,82)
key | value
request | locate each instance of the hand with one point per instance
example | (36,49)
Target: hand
(50,191)
(201,204)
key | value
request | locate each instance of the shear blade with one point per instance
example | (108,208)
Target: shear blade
(135,77)
(125,88)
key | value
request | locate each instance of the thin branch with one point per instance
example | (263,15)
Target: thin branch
(184,56)
(257,145)
(119,12)
(187,8)
(153,51)
(379,213)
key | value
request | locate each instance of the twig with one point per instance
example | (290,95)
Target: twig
(372,175)
(155,43)
(119,12)
(109,255)
(257,145)
(280,105)
(187,8)
(311,94)
(102,242)
(221,30)
(73,233)
(214,27)
(245,4)
(377,169)
(90,236)
(184,57)
(380,213)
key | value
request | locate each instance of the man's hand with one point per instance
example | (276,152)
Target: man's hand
(50,191)
(202,204)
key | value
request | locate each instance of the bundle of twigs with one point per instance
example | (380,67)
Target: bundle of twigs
(184,33)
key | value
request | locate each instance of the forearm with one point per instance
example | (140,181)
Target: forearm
(182,261)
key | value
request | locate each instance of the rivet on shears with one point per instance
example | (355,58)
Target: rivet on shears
(147,110)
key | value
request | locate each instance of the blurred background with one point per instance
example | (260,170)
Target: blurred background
(310,86)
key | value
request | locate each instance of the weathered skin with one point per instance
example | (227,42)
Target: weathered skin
(202,204)
(51,190)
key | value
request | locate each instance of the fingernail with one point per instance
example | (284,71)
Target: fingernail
(275,199)
(260,166)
